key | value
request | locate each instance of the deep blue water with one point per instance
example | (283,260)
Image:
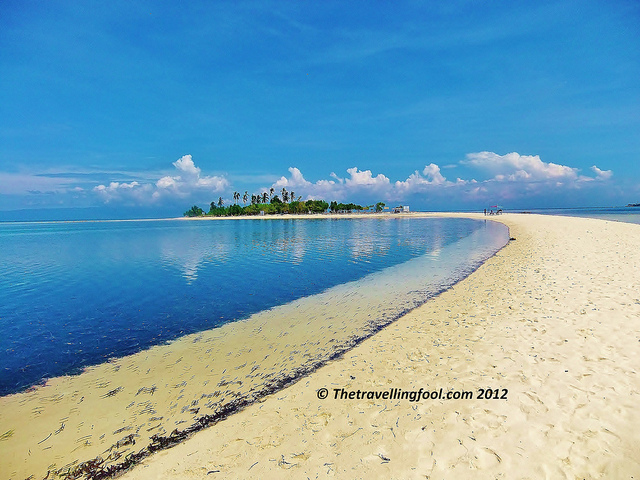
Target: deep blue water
(77,294)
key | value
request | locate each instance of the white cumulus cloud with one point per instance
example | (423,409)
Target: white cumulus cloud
(516,167)
(185,164)
(503,177)
(366,178)
(432,172)
(430,177)
(335,189)
(601,174)
(114,186)
(123,191)
(297,183)
(187,180)
(296,180)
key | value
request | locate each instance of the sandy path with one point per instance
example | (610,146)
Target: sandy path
(554,318)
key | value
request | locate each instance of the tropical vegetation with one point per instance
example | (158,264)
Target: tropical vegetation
(270,203)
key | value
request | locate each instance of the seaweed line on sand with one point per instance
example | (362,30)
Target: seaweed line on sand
(95,469)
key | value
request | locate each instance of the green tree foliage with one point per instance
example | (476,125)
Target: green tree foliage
(298,207)
(316,206)
(216,211)
(345,207)
(194,211)
(235,210)
(274,205)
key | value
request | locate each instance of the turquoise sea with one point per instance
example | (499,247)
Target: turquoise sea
(74,294)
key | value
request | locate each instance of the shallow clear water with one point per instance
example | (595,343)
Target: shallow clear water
(77,294)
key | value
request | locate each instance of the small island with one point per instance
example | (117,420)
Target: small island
(633,204)
(269,203)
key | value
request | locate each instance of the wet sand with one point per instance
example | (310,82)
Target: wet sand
(553,318)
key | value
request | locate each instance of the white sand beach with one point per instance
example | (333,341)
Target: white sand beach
(554,318)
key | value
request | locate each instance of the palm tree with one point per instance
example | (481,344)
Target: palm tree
(265,197)
(271,190)
(258,198)
(253,199)
(245,197)
(220,202)
(285,195)
(293,196)
(236,197)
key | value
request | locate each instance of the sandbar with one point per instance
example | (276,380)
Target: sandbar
(553,318)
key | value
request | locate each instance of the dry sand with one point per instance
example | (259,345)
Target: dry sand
(554,318)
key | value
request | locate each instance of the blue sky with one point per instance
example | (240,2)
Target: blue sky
(153,106)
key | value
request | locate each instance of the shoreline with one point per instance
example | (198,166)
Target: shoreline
(555,330)
(156,391)
(553,318)
(40,381)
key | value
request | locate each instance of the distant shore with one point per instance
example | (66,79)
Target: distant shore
(553,319)
(306,215)
(235,217)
